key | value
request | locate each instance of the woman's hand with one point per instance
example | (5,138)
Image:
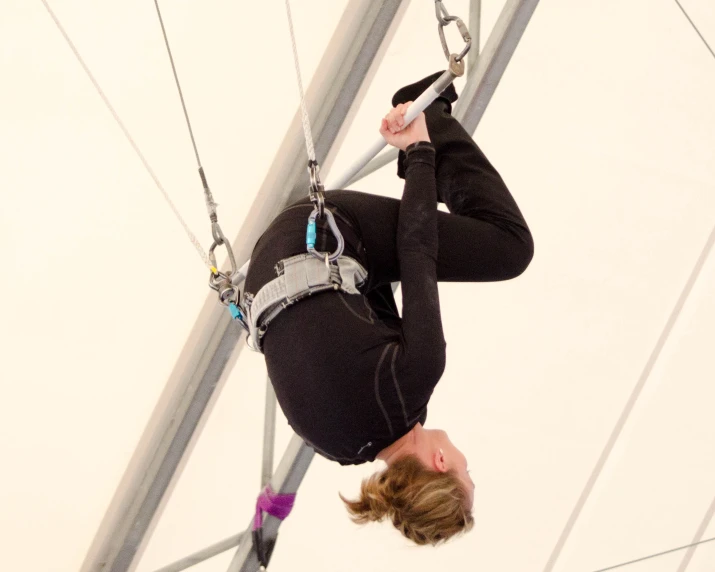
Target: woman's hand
(396,134)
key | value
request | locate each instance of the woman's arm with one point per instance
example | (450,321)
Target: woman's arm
(423,348)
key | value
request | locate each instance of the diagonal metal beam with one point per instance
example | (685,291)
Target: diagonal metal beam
(269,433)
(707,519)
(492,63)
(483,77)
(336,91)
(289,475)
(475,30)
(203,555)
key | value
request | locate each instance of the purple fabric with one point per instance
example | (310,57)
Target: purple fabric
(274,504)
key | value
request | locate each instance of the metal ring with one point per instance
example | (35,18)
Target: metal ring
(318,200)
(336,233)
(227,292)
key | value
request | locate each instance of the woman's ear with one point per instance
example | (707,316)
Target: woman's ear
(440,463)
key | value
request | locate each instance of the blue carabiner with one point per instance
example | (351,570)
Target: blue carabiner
(311,235)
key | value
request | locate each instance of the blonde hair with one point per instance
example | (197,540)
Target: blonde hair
(426,506)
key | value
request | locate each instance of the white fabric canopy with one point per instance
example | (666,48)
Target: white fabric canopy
(604,129)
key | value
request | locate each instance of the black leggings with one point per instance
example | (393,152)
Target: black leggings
(483,238)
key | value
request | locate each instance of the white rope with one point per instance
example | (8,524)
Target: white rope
(192,237)
(303,107)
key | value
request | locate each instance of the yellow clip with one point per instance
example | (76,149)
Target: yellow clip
(214,270)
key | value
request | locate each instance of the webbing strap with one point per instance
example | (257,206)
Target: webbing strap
(302,276)
(275,504)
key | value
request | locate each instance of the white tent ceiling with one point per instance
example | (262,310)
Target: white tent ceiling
(604,129)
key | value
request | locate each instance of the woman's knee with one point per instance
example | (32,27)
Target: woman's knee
(523,253)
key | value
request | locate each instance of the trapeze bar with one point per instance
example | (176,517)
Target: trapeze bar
(289,475)
(332,98)
(418,106)
(203,555)
(483,78)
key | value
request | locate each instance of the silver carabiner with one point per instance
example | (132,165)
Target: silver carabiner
(220,240)
(315,191)
(219,281)
(336,233)
(444,20)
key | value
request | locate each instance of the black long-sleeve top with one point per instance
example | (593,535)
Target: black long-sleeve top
(349,380)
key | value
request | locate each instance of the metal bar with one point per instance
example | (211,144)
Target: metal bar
(483,80)
(339,84)
(492,63)
(289,475)
(707,519)
(475,29)
(203,555)
(657,555)
(375,165)
(269,433)
(418,106)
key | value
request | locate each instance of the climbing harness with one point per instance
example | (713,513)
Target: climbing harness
(299,277)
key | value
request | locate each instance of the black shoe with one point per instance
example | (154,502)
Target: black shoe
(432,114)
(413,91)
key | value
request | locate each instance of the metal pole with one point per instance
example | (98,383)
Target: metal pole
(475,27)
(289,475)
(492,63)
(269,433)
(484,78)
(707,519)
(203,555)
(342,76)
(419,105)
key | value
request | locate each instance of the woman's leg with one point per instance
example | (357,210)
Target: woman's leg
(475,247)
(471,187)
(483,238)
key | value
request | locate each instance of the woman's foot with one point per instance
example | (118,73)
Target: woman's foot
(413,91)
(439,121)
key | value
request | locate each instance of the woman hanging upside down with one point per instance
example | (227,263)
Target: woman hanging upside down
(352,376)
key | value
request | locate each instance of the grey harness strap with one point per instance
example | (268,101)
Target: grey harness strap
(298,277)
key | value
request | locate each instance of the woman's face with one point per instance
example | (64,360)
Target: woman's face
(455,459)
